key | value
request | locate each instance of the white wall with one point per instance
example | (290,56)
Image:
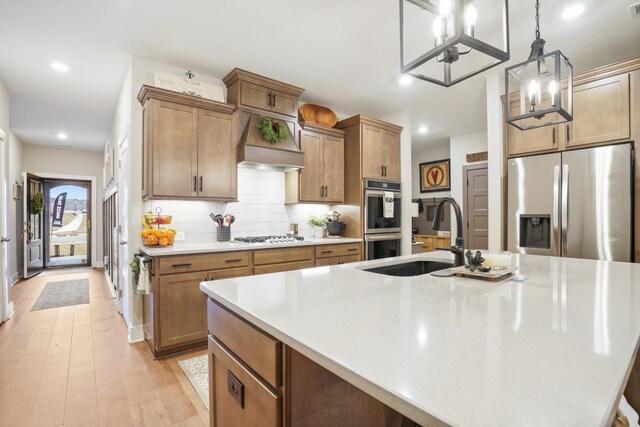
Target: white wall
(69,162)
(14,175)
(462,145)
(427,154)
(496,165)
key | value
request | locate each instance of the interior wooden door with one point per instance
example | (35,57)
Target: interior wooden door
(333,168)
(174,150)
(311,175)
(391,156)
(33,225)
(217,168)
(600,112)
(183,308)
(476,205)
(372,139)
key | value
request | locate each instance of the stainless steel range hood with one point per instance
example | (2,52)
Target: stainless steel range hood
(252,148)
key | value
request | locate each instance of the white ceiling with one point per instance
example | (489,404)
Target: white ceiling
(344,53)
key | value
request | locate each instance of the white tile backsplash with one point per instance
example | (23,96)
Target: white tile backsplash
(260,209)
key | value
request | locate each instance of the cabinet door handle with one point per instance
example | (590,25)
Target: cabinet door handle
(181,265)
(327,252)
(352,249)
(270,99)
(195,183)
(381,170)
(322,191)
(568,133)
(274,100)
(553,136)
(201,183)
(229,261)
(326,191)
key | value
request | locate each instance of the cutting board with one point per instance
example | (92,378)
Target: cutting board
(491,276)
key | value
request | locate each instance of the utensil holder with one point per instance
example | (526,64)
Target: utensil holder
(224,234)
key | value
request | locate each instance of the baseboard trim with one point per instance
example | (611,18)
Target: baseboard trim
(14,279)
(136,334)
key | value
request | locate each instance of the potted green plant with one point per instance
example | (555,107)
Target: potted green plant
(318,224)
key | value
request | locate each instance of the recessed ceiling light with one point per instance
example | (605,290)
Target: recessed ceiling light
(423,129)
(64,146)
(573,11)
(405,80)
(62,136)
(60,66)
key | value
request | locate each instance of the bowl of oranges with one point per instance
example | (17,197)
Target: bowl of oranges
(158,236)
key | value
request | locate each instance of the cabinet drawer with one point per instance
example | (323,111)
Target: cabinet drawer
(273,256)
(229,273)
(238,397)
(285,266)
(321,262)
(326,251)
(215,261)
(258,350)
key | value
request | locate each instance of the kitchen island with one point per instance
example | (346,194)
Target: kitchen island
(555,349)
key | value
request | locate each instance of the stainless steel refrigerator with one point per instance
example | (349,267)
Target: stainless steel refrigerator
(576,204)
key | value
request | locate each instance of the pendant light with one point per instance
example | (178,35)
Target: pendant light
(539,91)
(462,38)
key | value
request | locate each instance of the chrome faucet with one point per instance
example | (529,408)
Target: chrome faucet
(458,248)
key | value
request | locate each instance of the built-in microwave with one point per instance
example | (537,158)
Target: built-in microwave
(374,204)
(382,245)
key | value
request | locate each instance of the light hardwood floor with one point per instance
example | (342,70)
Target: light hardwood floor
(73,366)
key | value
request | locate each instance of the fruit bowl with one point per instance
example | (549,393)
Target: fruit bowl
(158,236)
(153,219)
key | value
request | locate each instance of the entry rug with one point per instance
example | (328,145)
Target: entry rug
(197,370)
(62,294)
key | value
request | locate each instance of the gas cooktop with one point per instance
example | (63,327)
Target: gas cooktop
(255,240)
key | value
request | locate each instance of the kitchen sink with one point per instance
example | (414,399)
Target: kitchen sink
(413,268)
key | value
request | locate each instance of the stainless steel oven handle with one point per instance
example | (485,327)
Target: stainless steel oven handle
(382,236)
(396,194)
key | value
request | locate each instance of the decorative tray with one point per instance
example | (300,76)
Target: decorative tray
(493,275)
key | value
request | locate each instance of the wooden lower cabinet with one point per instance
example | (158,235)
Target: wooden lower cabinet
(238,397)
(304,394)
(431,242)
(175,313)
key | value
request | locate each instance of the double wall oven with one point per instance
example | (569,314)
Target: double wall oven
(382,233)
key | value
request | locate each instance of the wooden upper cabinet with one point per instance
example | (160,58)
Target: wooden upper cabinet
(322,178)
(372,140)
(255,96)
(533,140)
(246,89)
(391,155)
(600,112)
(174,149)
(311,182)
(216,130)
(333,168)
(188,147)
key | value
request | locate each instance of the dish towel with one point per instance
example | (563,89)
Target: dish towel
(143,280)
(625,410)
(388,204)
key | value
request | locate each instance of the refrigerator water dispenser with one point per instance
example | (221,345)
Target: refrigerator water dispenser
(535,231)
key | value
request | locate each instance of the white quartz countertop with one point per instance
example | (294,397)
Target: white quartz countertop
(199,248)
(553,350)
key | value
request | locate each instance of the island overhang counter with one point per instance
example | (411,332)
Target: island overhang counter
(553,346)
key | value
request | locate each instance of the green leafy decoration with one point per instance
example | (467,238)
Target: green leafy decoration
(273,132)
(37,203)
(135,270)
(317,221)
